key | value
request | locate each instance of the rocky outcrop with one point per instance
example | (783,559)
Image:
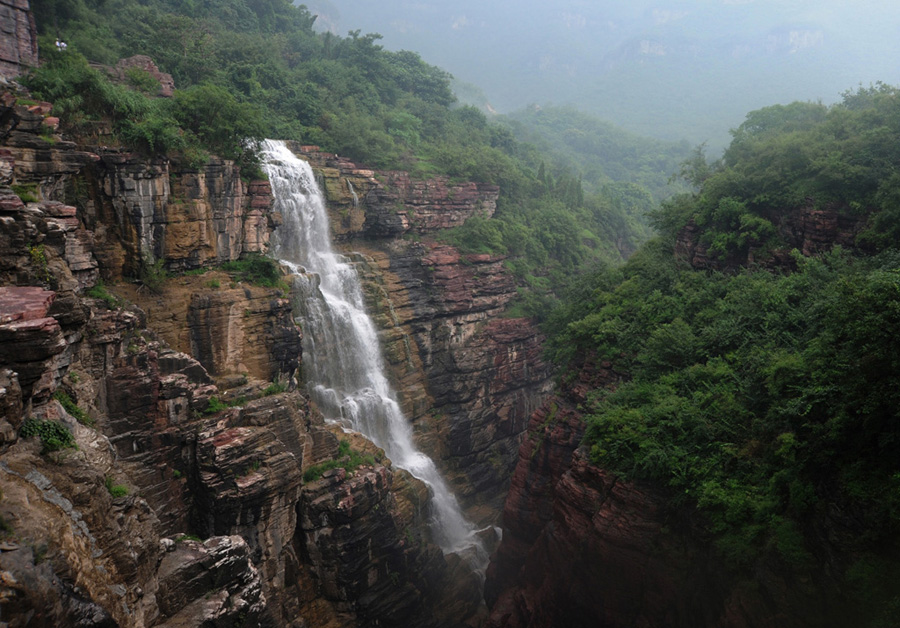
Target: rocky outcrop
(372,560)
(73,555)
(190,219)
(807,229)
(188,425)
(583,547)
(230,329)
(389,204)
(18,38)
(29,338)
(138,210)
(145,64)
(402,205)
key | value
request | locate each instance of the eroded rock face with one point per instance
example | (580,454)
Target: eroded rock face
(241,330)
(137,210)
(189,219)
(582,547)
(389,204)
(372,559)
(211,583)
(468,378)
(18,38)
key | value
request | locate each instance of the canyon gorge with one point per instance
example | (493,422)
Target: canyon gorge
(192,398)
(178,449)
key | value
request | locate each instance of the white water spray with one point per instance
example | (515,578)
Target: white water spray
(341,355)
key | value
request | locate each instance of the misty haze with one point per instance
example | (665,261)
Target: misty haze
(672,70)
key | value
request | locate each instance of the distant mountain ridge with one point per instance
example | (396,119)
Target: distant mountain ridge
(670,69)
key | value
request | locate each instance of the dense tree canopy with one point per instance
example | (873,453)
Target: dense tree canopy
(767,401)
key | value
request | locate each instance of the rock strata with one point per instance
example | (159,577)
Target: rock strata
(583,547)
(18,38)
(389,204)
(184,502)
(469,379)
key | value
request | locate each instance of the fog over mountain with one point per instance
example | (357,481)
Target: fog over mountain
(671,69)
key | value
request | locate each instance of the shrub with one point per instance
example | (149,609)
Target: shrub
(72,408)
(100,292)
(215,405)
(255,269)
(348,459)
(116,490)
(53,434)
(153,275)
(273,389)
(27,192)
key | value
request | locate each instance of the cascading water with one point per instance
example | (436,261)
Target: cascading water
(342,358)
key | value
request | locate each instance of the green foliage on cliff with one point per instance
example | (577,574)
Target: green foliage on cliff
(53,434)
(758,397)
(250,69)
(767,402)
(73,408)
(788,156)
(348,459)
(256,270)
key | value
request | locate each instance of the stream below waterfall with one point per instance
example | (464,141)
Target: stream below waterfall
(343,365)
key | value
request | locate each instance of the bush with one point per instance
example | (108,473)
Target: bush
(274,388)
(153,275)
(100,292)
(215,405)
(116,490)
(348,459)
(257,270)
(53,434)
(72,408)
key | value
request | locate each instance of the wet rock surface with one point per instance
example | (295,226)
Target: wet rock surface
(183,501)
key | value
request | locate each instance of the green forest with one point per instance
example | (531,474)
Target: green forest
(762,396)
(766,399)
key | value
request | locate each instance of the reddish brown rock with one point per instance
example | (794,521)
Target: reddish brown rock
(483,375)
(210,583)
(30,340)
(389,204)
(372,569)
(245,330)
(18,38)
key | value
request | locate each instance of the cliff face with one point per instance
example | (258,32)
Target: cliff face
(185,417)
(467,377)
(583,547)
(18,38)
(389,204)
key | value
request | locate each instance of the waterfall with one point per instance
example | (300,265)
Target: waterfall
(352,192)
(342,360)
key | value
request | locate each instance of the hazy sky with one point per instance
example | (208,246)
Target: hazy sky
(672,69)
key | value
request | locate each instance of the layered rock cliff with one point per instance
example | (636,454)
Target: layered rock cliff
(467,377)
(183,500)
(18,38)
(585,547)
